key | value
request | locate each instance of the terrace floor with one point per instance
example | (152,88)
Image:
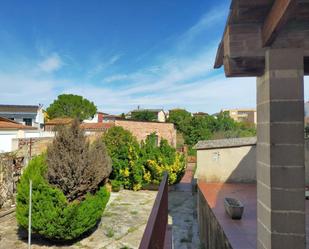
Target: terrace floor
(240,233)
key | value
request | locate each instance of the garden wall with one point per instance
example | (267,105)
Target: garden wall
(235,164)
(30,147)
(141,130)
(10,171)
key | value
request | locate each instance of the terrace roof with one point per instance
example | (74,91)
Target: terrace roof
(254,25)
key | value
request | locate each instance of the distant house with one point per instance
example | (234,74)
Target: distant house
(30,115)
(242,115)
(160,114)
(101,117)
(10,129)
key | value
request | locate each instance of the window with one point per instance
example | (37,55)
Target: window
(27,121)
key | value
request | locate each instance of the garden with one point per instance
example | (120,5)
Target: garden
(72,181)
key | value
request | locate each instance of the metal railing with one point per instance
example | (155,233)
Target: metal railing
(157,234)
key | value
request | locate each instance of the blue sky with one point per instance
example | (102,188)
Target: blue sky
(119,54)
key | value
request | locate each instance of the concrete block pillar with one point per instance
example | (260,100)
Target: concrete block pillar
(280,151)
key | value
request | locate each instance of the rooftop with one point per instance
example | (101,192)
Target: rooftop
(19,108)
(7,124)
(225,143)
(254,25)
(240,233)
(59,121)
(96,126)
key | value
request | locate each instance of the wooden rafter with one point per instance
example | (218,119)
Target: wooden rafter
(276,19)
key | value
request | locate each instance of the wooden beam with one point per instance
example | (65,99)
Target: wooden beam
(243,66)
(276,19)
(306,65)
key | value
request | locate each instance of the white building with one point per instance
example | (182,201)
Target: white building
(29,115)
(10,129)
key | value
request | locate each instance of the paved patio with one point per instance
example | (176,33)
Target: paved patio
(122,226)
(123,222)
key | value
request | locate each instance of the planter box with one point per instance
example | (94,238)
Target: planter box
(234,208)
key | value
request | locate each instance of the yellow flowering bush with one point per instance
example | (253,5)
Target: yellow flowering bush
(136,165)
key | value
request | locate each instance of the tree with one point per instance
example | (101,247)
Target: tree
(144,115)
(74,165)
(70,105)
(181,119)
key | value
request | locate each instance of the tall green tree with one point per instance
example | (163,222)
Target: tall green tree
(70,105)
(181,119)
(144,116)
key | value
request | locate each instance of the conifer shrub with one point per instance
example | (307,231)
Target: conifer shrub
(53,216)
(68,196)
(74,165)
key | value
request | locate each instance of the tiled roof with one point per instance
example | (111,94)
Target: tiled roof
(7,124)
(59,121)
(225,143)
(19,108)
(96,126)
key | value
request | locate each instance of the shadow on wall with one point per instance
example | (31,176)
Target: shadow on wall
(245,172)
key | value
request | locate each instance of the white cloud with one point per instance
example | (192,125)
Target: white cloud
(178,79)
(50,64)
(101,66)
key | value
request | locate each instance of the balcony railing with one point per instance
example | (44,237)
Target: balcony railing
(157,234)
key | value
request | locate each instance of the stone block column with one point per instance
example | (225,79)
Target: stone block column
(280,151)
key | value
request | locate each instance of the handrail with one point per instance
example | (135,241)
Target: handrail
(155,232)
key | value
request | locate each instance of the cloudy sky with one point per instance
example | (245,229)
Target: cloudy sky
(118,54)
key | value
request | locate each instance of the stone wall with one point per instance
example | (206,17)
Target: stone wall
(142,129)
(10,170)
(208,226)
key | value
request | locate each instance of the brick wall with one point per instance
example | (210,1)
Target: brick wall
(142,129)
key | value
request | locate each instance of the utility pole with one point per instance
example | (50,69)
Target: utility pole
(30,204)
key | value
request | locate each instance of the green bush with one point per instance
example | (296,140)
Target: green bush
(124,150)
(157,159)
(136,165)
(116,185)
(53,216)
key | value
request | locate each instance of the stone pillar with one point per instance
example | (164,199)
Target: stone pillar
(280,151)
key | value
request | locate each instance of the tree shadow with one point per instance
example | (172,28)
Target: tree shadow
(39,240)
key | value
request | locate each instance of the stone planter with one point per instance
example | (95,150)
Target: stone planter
(234,208)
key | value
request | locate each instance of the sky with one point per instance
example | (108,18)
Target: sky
(119,54)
